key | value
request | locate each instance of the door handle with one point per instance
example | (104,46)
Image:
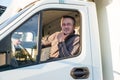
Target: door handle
(80,73)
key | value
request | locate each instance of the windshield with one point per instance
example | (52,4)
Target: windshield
(8,21)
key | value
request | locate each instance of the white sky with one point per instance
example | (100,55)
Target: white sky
(5,2)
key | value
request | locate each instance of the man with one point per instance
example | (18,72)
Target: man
(64,43)
(18,50)
(15,43)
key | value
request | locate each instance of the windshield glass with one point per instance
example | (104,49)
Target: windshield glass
(8,21)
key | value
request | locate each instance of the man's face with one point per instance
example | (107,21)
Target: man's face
(67,26)
(16,42)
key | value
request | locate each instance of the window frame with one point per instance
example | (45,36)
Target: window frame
(80,31)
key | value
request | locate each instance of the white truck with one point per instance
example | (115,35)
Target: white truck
(37,22)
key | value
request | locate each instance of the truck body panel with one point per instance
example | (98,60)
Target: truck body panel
(37,21)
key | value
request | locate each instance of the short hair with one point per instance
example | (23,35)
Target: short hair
(66,16)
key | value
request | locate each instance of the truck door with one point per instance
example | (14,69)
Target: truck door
(38,25)
(78,66)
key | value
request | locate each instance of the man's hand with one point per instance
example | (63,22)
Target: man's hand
(61,37)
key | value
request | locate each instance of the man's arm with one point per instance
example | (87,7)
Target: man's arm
(48,40)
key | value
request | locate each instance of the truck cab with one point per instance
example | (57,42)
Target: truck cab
(36,23)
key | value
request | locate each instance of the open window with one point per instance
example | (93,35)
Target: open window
(51,23)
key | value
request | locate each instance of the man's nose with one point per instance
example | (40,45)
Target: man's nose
(66,26)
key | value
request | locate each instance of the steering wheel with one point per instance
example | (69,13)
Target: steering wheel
(24,51)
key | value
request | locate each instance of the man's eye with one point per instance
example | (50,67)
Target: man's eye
(68,24)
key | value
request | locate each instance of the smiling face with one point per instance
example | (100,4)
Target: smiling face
(67,25)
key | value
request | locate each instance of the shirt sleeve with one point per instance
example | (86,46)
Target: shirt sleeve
(47,42)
